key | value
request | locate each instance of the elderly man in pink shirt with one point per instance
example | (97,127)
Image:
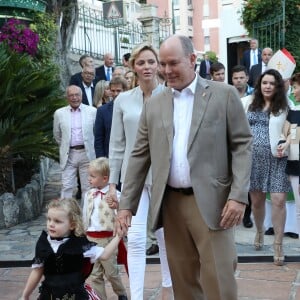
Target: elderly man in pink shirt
(73,130)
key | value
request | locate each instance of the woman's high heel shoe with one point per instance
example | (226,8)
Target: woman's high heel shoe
(278,254)
(259,240)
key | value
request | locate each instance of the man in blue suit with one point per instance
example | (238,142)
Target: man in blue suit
(104,118)
(251,56)
(205,64)
(105,71)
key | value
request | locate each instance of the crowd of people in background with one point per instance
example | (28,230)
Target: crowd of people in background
(108,109)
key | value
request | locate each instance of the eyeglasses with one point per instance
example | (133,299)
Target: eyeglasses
(73,95)
(89,73)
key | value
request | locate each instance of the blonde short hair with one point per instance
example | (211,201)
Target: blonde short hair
(138,49)
(100,165)
(73,210)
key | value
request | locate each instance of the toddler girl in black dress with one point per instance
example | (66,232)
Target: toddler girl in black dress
(64,256)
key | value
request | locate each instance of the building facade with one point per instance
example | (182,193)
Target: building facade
(212,25)
(197,19)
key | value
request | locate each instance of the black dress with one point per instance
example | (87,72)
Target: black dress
(64,275)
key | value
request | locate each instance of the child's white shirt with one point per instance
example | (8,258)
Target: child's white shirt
(94,224)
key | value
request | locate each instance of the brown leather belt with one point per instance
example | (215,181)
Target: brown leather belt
(186,191)
(77,147)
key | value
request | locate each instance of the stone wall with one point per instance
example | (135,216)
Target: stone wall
(28,201)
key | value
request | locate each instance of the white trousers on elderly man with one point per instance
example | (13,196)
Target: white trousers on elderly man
(77,161)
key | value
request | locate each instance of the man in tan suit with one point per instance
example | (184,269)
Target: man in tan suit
(196,138)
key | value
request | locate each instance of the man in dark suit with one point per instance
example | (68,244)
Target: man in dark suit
(200,157)
(205,64)
(125,60)
(104,118)
(251,56)
(258,69)
(105,71)
(87,84)
(84,60)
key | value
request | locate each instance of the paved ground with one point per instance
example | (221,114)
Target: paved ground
(259,281)
(257,277)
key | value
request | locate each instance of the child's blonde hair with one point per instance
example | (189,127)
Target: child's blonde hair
(73,210)
(100,165)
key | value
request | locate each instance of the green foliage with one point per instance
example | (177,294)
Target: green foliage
(29,96)
(125,40)
(45,25)
(212,56)
(255,11)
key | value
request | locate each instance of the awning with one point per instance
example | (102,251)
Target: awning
(238,39)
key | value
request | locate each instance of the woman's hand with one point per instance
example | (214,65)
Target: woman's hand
(111,202)
(281,149)
(112,193)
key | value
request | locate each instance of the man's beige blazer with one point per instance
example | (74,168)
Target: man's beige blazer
(219,151)
(62,131)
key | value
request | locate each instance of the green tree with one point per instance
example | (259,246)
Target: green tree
(255,11)
(30,92)
(44,24)
(212,56)
(65,15)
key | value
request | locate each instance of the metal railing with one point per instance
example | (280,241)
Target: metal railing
(270,33)
(92,37)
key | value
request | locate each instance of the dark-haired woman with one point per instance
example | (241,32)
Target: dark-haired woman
(266,112)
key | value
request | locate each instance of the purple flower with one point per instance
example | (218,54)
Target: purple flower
(19,37)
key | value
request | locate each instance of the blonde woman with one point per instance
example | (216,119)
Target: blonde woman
(131,79)
(126,114)
(102,93)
